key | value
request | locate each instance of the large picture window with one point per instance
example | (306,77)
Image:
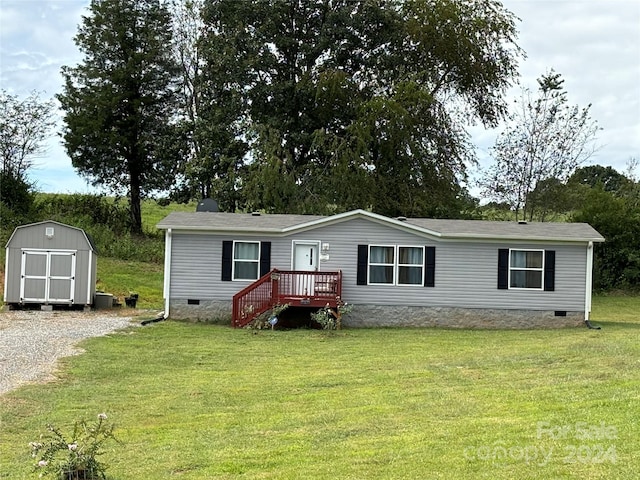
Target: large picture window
(526,268)
(396,265)
(246,260)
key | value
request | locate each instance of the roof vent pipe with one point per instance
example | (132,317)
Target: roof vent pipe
(255,214)
(401,219)
(522,222)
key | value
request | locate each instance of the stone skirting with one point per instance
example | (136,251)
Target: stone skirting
(216,311)
(454,317)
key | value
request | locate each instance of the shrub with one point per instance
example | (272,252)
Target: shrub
(268,319)
(331,318)
(73,457)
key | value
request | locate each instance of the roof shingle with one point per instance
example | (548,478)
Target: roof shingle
(463,229)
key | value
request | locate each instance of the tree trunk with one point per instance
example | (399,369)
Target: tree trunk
(135,214)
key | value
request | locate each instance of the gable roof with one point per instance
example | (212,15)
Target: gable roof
(445,229)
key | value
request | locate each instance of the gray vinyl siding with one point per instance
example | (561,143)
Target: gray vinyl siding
(465,272)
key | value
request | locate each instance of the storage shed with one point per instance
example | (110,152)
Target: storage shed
(50,263)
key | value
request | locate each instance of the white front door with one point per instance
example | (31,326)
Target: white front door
(305,259)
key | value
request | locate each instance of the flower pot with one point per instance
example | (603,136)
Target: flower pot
(77,474)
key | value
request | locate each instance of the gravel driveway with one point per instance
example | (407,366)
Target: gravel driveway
(32,341)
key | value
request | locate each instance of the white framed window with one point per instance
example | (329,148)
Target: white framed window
(396,265)
(410,265)
(382,264)
(246,260)
(526,269)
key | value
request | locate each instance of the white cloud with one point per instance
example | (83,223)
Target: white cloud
(595,45)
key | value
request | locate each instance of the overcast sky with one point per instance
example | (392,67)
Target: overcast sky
(594,44)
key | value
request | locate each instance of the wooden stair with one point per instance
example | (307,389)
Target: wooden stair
(280,287)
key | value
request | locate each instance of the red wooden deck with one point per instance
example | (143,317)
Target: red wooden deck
(279,287)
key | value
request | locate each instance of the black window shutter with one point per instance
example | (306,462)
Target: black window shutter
(430,267)
(503,268)
(265,258)
(549,270)
(363,261)
(227,260)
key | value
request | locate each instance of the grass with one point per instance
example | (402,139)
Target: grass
(121,277)
(195,401)
(153,212)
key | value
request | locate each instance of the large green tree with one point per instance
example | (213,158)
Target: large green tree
(119,102)
(210,112)
(596,175)
(359,103)
(617,217)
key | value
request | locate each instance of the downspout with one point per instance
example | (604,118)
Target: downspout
(588,287)
(167,272)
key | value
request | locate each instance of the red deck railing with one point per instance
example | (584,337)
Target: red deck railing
(278,287)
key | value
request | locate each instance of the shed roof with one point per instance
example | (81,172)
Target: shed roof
(446,229)
(87,237)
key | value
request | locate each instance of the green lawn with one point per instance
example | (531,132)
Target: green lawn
(195,401)
(122,277)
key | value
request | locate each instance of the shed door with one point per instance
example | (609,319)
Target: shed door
(47,276)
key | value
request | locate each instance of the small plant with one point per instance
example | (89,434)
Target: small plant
(331,318)
(268,319)
(73,457)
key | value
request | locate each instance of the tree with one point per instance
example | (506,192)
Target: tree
(119,102)
(214,109)
(24,126)
(594,175)
(544,138)
(359,104)
(617,260)
(550,196)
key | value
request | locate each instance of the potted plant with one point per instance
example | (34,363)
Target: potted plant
(73,457)
(131,300)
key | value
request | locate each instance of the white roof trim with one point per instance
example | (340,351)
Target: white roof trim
(359,213)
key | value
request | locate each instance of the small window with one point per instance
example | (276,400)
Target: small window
(246,260)
(526,269)
(410,265)
(381,264)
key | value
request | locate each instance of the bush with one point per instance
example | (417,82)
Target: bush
(83,210)
(16,201)
(74,456)
(106,221)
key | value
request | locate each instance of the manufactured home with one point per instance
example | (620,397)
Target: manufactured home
(394,271)
(50,263)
